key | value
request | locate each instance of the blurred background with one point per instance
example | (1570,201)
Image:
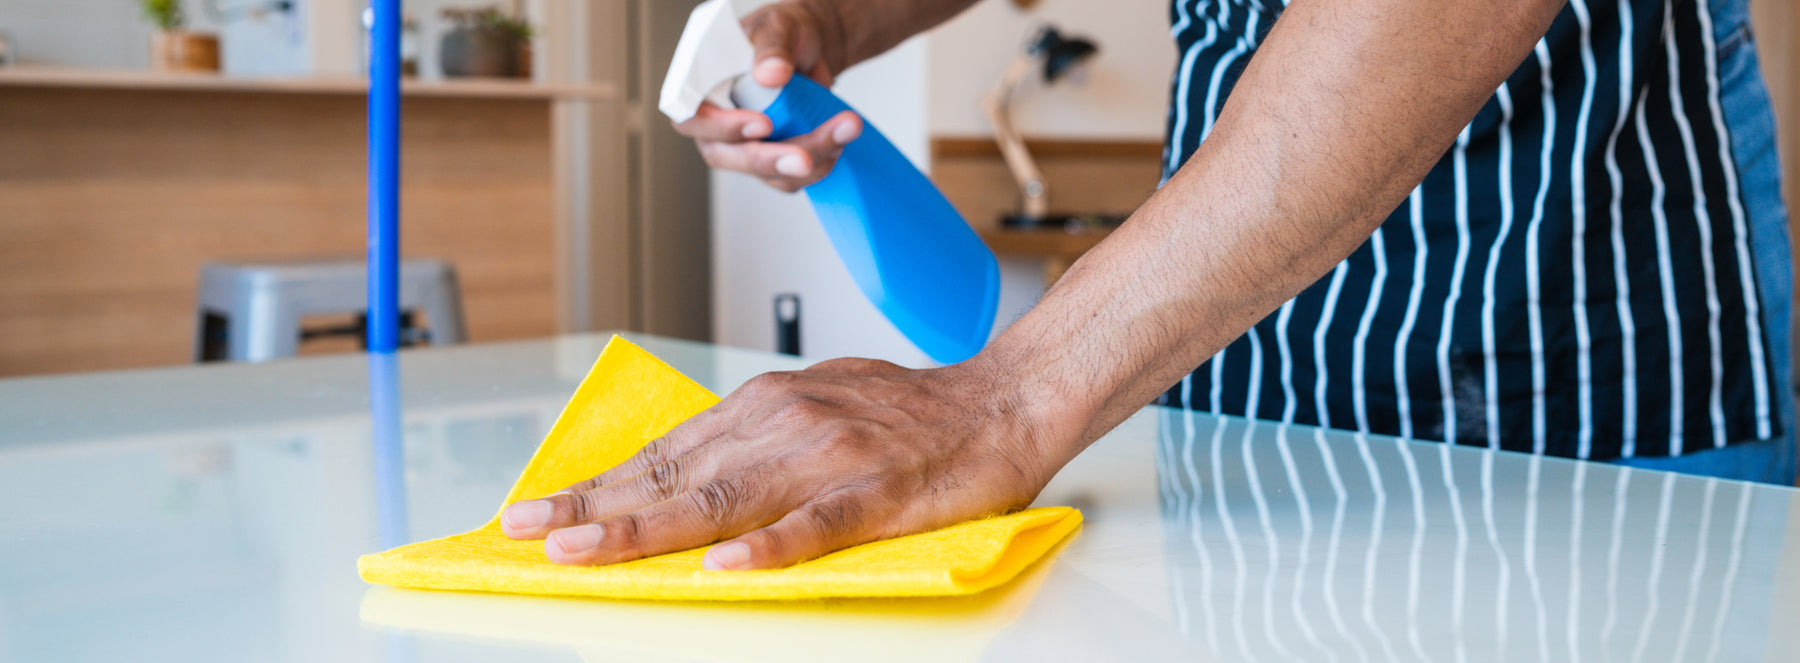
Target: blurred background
(143,140)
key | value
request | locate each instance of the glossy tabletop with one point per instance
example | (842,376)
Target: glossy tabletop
(215,514)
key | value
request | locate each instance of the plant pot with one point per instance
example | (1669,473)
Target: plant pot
(184,50)
(478,51)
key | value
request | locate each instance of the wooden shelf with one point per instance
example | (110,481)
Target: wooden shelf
(124,79)
(1048,242)
(1058,248)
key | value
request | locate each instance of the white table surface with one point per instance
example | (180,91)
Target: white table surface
(215,514)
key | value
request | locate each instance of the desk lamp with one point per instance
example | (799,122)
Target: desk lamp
(1059,55)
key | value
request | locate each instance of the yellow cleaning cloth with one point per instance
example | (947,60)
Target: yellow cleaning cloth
(630,398)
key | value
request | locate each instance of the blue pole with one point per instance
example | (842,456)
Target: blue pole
(384,177)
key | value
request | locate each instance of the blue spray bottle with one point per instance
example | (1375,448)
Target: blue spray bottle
(908,250)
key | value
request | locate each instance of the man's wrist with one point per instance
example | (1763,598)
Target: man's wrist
(1019,387)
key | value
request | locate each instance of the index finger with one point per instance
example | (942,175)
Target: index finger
(729,125)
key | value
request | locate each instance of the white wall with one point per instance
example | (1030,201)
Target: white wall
(1122,96)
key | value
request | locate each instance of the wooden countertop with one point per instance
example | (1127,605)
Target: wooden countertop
(127,79)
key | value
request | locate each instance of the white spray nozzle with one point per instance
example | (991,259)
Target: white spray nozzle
(713,52)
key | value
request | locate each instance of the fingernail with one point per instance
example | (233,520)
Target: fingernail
(572,540)
(756,129)
(728,557)
(846,132)
(792,165)
(527,514)
(770,68)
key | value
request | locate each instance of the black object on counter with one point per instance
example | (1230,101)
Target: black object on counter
(787,324)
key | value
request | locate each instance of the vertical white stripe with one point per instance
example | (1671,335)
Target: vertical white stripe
(1620,489)
(1373,556)
(1289,402)
(1703,225)
(1402,390)
(1184,17)
(1660,546)
(1723,612)
(1359,348)
(1534,308)
(1216,388)
(1326,313)
(1703,542)
(1184,80)
(1488,347)
(1460,161)
(1746,280)
(1459,586)
(1303,508)
(1416,558)
(1334,546)
(1621,278)
(1584,338)
(1217,82)
(1671,317)
(1503,581)
(1577,509)
(1253,388)
(1177,87)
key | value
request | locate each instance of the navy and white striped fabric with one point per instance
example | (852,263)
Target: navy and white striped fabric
(1573,278)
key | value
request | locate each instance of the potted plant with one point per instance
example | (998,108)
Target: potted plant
(485,42)
(175,48)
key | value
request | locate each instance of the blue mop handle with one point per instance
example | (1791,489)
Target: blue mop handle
(384,177)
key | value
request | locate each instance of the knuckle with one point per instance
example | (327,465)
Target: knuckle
(719,501)
(625,531)
(834,519)
(663,480)
(579,508)
(768,383)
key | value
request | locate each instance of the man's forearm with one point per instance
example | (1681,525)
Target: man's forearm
(1342,111)
(870,27)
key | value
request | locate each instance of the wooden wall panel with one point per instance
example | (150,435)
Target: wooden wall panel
(110,200)
(1777,28)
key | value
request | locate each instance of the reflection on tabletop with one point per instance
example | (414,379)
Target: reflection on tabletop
(1297,543)
(216,514)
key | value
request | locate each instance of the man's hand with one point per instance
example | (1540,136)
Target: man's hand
(788,37)
(795,465)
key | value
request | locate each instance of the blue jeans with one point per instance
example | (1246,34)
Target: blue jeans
(1751,122)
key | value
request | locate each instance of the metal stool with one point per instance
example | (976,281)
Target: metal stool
(253,311)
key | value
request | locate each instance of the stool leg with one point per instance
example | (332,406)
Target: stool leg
(443,307)
(272,331)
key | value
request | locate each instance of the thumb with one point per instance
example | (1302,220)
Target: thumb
(773,41)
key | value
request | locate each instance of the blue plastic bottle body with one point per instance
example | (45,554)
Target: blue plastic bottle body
(907,248)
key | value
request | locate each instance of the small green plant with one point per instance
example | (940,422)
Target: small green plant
(516,27)
(166,14)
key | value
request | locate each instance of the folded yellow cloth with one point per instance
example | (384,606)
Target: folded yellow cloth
(631,397)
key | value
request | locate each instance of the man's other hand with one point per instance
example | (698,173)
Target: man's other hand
(793,36)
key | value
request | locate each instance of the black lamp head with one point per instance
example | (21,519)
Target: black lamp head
(1060,53)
